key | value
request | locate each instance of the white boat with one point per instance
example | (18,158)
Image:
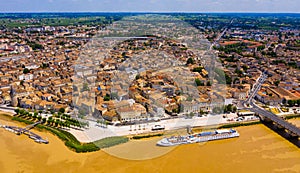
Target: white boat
(158,127)
(199,137)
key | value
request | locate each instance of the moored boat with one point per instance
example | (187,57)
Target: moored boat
(199,137)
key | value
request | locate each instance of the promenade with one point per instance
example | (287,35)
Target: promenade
(96,132)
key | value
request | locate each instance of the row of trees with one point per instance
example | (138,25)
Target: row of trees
(61,111)
(24,113)
(292,103)
(224,109)
(57,120)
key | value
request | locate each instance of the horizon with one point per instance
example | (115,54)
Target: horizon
(166,6)
(157,12)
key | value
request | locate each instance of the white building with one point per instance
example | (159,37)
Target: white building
(25,77)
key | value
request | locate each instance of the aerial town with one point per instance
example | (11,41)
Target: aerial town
(172,86)
(48,70)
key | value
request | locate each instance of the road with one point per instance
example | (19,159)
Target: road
(256,88)
(220,35)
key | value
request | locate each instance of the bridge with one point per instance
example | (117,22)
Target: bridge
(278,121)
(266,115)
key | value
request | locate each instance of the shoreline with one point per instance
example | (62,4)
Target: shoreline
(257,144)
(69,140)
(79,147)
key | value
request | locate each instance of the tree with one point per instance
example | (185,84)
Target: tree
(238,71)
(291,103)
(298,102)
(62,110)
(284,101)
(34,117)
(67,116)
(35,46)
(191,114)
(277,82)
(175,110)
(17,111)
(53,115)
(228,79)
(48,122)
(39,118)
(198,82)
(229,108)
(45,65)
(234,109)
(68,124)
(208,83)
(190,61)
(245,68)
(226,108)
(61,124)
(22,112)
(107,97)
(262,47)
(26,70)
(201,112)
(138,76)
(57,122)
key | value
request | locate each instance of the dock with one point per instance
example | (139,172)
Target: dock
(25,131)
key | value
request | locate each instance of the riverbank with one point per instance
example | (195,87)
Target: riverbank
(258,149)
(70,141)
(97,132)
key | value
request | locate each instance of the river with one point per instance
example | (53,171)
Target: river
(258,149)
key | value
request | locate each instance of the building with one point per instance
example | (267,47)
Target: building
(190,106)
(159,111)
(136,112)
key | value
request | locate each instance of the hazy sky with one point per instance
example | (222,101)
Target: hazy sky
(150,5)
